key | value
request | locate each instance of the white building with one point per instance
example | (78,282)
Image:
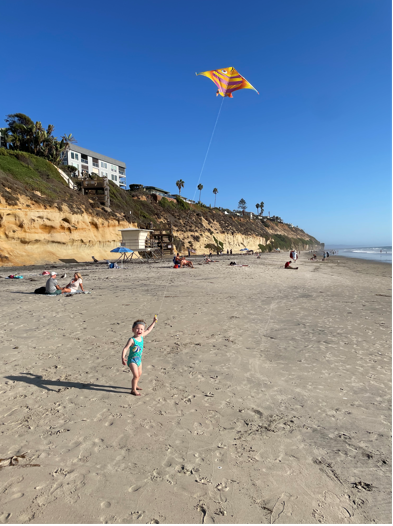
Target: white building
(88,162)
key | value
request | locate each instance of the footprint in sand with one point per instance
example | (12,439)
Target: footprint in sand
(106,504)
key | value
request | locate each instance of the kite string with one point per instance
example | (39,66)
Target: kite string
(208,148)
(196,187)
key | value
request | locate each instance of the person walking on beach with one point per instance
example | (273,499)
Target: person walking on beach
(134,346)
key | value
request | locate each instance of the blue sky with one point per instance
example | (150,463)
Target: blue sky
(315,145)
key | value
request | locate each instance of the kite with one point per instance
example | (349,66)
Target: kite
(227,80)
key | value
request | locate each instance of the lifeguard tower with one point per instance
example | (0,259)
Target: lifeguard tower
(138,240)
(149,243)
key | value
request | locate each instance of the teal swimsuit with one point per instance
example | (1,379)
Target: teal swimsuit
(135,354)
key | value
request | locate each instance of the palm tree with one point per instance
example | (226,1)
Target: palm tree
(68,140)
(215,192)
(257,206)
(180,185)
(200,188)
(262,207)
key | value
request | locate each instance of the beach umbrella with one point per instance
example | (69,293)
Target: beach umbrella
(241,250)
(123,251)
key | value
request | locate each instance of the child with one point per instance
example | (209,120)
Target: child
(135,345)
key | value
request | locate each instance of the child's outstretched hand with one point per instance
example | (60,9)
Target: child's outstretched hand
(155,320)
(123,359)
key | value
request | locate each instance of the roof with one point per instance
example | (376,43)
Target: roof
(135,230)
(157,189)
(79,149)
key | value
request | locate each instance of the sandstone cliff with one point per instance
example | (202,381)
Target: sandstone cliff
(42,220)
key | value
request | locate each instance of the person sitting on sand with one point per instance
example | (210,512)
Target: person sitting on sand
(314,257)
(288,265)
(176,259)
(135,348)
(94,259)
(185,263)
(74,284)
(52,288)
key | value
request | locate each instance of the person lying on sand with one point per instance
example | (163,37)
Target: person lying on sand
(288,265)
(74,284)
(135,348)
(185,263)
(233,263)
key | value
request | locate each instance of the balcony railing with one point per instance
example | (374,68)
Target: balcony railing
(122,176)
(95,164)
(121,172)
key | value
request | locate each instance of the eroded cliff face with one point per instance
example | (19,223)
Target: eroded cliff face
(239,240)
(30,234)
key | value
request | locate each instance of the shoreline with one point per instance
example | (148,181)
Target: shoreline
(196,258)
(266,395)
(363,259)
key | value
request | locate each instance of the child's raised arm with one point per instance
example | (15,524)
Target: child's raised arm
(150,328)
(127,346)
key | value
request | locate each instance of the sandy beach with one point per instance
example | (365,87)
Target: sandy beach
(266,395)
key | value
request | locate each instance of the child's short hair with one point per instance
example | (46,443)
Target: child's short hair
(138,322)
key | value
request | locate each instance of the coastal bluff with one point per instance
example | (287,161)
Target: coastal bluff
(42,220)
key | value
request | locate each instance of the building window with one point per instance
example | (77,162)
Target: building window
(103,165)
(104,174)
(113,168)
(77,157)
(84,159)
(72,155)
(115,177)
(95,162)
(121,171)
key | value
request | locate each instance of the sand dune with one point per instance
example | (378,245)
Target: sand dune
(266,396)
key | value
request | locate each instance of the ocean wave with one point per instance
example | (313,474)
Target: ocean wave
(374,251)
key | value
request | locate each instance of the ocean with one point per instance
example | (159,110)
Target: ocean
(383,254)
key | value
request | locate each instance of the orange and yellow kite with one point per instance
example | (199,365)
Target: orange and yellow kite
(227,80)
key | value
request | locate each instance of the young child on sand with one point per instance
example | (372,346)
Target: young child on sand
(135,347)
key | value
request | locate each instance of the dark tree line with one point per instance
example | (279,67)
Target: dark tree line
(25,135)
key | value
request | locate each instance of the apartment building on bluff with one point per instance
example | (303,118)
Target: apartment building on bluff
(89,162)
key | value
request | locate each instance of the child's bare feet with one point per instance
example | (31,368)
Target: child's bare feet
(135,393)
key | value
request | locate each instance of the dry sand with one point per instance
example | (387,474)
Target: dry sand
(266,396)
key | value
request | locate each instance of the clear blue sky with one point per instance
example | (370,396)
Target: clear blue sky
(315,145)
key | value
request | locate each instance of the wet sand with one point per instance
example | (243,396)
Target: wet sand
(266,395)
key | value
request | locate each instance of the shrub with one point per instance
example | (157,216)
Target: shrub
(165,203)
(182,204)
